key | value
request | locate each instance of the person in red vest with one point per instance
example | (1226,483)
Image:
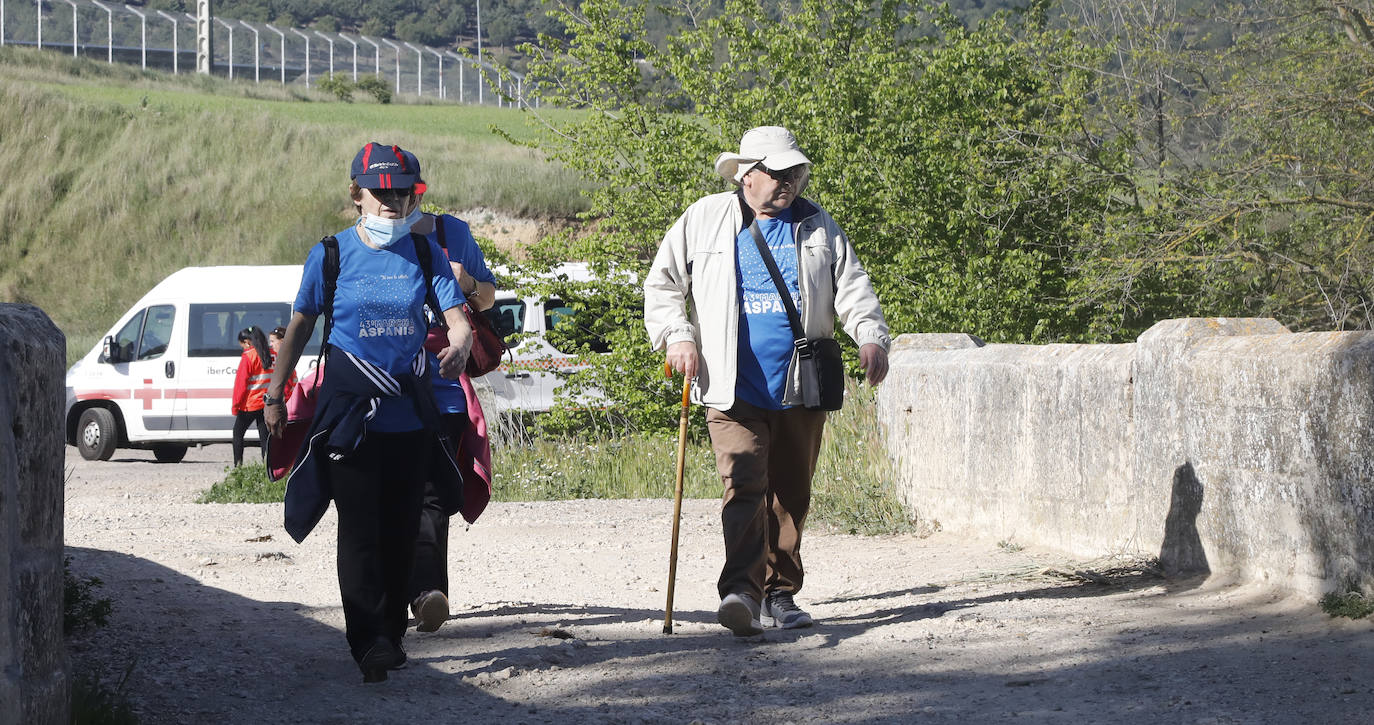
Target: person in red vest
(255,371)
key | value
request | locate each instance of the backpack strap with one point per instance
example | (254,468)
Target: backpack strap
(331,283)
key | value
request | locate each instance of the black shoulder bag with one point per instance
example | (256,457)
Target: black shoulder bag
(818,361)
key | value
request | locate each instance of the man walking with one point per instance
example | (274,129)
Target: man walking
(712,303)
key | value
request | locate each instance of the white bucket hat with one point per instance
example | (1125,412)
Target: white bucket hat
(773,146)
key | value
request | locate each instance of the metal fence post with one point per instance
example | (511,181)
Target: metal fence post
(73,4)
(143,36)
(175,50)
(109,29)
(329,40)
(443,92)
(458,58)
(257,51)
(376,56)
(230,28)
(307,54)
(419,69)
(283,51)
(398,64)
(355,55)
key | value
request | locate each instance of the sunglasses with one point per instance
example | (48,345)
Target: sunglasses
(792,176)
(392,197)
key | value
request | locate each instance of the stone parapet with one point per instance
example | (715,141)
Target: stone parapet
(1221,445)
(33,661)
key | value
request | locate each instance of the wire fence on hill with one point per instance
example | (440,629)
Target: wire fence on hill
(250,51)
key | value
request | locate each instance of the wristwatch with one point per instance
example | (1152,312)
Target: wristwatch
(269,400)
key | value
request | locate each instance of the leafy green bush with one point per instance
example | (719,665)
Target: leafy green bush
(376,86)
(337,84)
(80,607)
(246,484)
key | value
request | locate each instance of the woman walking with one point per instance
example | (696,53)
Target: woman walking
(374,438)
(255,370)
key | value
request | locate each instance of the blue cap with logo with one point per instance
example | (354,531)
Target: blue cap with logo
(385,167)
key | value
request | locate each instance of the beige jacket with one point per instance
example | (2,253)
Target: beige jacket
(696,263)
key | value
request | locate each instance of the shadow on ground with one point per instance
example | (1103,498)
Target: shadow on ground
(947,657)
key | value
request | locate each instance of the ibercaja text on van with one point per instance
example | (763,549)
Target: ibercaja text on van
(163,376)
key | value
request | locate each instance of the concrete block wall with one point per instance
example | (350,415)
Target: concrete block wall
(1219,445)
(33,660)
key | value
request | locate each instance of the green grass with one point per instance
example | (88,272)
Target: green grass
(246,484)
(107,194)
(625,466)
(853,491)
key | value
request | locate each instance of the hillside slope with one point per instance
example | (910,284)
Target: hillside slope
(116,177)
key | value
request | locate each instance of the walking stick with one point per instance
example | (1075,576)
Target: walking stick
(677,494)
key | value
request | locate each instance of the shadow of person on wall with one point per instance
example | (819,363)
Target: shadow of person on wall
(1181,555)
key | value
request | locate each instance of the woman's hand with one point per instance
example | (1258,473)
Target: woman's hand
(454,358)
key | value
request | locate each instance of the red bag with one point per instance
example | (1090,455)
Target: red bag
(487,347)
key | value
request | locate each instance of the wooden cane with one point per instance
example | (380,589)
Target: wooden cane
(677,494)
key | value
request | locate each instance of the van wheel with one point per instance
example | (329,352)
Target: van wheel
(97,434)
(169,453)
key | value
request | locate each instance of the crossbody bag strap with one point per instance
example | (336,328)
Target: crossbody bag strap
(426,262)
(793,318)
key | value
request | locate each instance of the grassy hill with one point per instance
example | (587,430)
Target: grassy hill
(117,177)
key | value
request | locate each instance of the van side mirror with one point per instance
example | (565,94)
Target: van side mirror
(111,352)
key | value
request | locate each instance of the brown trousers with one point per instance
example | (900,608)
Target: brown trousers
(766,459)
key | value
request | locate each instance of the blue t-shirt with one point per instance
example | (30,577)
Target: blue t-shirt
(379,310)
(461,248)
(765,335)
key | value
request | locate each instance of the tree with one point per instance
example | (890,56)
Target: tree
(1262,202)
(959,161)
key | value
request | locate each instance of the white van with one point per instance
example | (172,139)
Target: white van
(163,376)
(534,369)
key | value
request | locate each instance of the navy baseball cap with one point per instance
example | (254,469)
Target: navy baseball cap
(386,167)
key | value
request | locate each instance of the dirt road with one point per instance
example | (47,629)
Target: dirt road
(557,618)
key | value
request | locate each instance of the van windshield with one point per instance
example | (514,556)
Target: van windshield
(508,317)
(214,328)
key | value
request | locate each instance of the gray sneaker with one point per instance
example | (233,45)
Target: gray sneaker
(739,614)
(780,611)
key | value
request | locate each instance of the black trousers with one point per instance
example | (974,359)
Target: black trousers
(430,570)
(241,422)
(377,493)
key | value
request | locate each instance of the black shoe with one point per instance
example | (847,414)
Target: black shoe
(382,656)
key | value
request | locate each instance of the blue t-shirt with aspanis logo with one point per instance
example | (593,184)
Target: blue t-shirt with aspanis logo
(765,334)
(379,309)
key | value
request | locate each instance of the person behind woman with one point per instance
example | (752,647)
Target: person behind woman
(274,339)
(255,370)
(375,426)
(463,421)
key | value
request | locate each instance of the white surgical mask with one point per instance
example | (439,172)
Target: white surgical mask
(384,232)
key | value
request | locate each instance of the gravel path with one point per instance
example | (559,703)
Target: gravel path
(557,618)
